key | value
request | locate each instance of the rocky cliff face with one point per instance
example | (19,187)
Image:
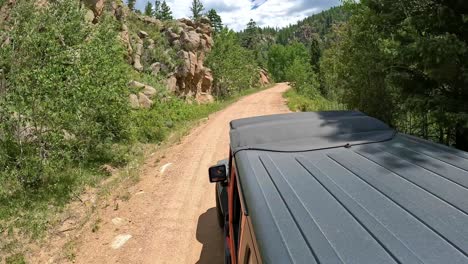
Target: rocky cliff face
(192,78)
(189,40)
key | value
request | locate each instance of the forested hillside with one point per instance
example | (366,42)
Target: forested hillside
(404,62)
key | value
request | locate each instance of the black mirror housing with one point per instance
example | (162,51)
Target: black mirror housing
(218,173)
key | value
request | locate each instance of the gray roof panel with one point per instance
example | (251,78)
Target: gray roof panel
(403,200)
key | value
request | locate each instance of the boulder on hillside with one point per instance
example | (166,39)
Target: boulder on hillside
(204,98)
(190,40)
(171,83)
(264,79)
(144,101)
(142,34)
(205,20)
(149,91)
(151,20)
(133,100)
(136,85)
(187,22)
(97,6)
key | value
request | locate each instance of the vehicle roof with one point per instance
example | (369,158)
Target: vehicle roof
(306,131)
(401,200)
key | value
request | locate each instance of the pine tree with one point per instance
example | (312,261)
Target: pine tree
(131,4)
(149,9)
(250,35)
(166,13)
(157,9)
(216,21)
(197,9)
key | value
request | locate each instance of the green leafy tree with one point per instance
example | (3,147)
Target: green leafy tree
(280,58)
(405,62)
(302,78)
(197,9)
(315,54)
(234,67)
(149,9)
(216,21)
(166,13)
(131,4)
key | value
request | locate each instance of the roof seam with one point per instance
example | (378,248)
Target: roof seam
(289,210)
(350,212)
(433,145)
(413,183)
(402,207)
(431,156)
(269,209)
(424,168)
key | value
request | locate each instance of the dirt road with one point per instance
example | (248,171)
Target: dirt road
(171,217)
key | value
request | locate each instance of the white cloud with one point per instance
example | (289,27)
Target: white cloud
(237,13)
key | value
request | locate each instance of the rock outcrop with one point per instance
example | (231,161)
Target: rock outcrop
(195,40)
(185,74)
(191,41)
(96,6)
(264,78)
(142,98)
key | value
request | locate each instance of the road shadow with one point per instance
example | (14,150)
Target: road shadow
(211,236)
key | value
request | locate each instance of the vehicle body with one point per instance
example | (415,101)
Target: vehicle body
(339,187)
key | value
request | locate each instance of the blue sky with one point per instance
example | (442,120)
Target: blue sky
(237,13)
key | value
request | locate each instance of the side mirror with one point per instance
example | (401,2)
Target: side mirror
(218,173)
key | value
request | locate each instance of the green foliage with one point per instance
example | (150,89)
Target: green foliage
(131,4)
(302,78)
(299,102)
(280,58)
(65,106)
(216,22)
(162,11)
(405,62)
(197,9)
(166,13)
(233,66)
(258,40)
(251,34)
(148,9)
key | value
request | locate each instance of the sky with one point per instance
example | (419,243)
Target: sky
(237,13)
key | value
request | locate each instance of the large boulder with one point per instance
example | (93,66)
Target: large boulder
(137,56)
(136,85)
(187,22)
(149,91)
(133,100)
(97,6)
(142,34)
(171,83)
(144,101)
(204,98)
(264,79)
(151,21)
(190,40)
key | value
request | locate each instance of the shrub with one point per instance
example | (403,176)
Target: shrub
(66,93)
